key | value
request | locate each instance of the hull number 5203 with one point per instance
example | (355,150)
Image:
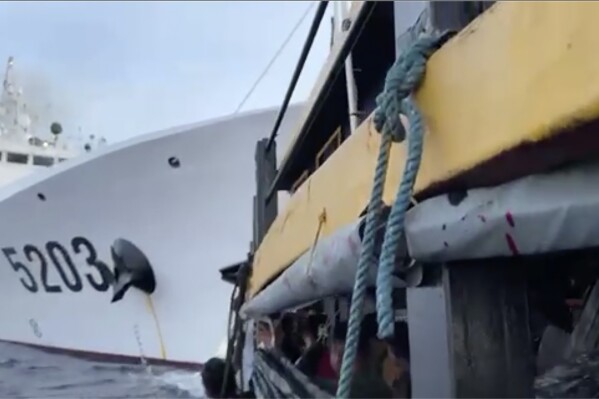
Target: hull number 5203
(52,269)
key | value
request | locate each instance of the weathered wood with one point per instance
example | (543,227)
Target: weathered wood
(469,332)
(492,351)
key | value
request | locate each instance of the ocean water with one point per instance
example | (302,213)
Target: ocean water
(31,373)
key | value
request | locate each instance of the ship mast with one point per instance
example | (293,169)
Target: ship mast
(8,103)
(7,85)
(341,23)
(14,116)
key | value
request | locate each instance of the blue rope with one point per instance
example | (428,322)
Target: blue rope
(402,79)
(404,76)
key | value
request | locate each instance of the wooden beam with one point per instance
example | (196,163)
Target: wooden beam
(469,333)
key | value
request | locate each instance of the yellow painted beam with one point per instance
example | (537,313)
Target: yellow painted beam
(521,72)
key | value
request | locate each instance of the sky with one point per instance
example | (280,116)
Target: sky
(120,69)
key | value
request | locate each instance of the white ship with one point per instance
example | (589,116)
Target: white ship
(25,145)
(114,255)
(181,196)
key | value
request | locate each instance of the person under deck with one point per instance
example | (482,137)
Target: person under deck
(315,361)
(368,381)
(213,375)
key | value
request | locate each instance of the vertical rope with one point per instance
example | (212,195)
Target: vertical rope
(365,261)
(394,229)
(403,77)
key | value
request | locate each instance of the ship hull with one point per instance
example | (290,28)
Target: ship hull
(183,197)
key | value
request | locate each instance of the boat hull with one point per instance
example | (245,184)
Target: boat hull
(183,197)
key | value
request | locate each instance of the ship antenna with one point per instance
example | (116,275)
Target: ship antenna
(7,74)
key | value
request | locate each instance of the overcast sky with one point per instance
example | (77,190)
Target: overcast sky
(119,69)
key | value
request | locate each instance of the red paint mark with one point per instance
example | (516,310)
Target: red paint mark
(482,218)
(510,219)
(512,244)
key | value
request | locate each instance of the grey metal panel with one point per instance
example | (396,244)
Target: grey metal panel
(265,210)
(406,16)
(430,365)
(412,18)
(456,15)
(533,215)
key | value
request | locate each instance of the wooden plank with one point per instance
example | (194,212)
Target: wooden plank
(469,332)
(492,350)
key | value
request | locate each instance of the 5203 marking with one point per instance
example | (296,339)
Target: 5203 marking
(61,264)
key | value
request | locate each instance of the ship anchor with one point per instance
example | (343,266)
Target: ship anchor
(131,269)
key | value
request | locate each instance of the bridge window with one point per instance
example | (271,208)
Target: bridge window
(15,157)
(43,161)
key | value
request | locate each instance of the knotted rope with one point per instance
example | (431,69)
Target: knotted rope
(403,78)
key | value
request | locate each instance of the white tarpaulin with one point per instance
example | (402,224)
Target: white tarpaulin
(327,270)
(533,215)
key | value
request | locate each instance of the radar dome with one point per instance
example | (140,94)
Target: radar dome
(56,128)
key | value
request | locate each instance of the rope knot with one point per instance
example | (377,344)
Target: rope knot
(403,78)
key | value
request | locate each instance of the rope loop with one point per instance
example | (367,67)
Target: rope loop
(403,78)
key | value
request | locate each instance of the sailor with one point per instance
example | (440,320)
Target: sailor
(287,337)
(264,334)
(315,361)
(368,381)
(396,366)
(280,332)
(213,375)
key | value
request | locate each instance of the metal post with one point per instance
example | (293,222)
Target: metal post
(265,209)
(352,91)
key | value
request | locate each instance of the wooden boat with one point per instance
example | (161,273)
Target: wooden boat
(503,217)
